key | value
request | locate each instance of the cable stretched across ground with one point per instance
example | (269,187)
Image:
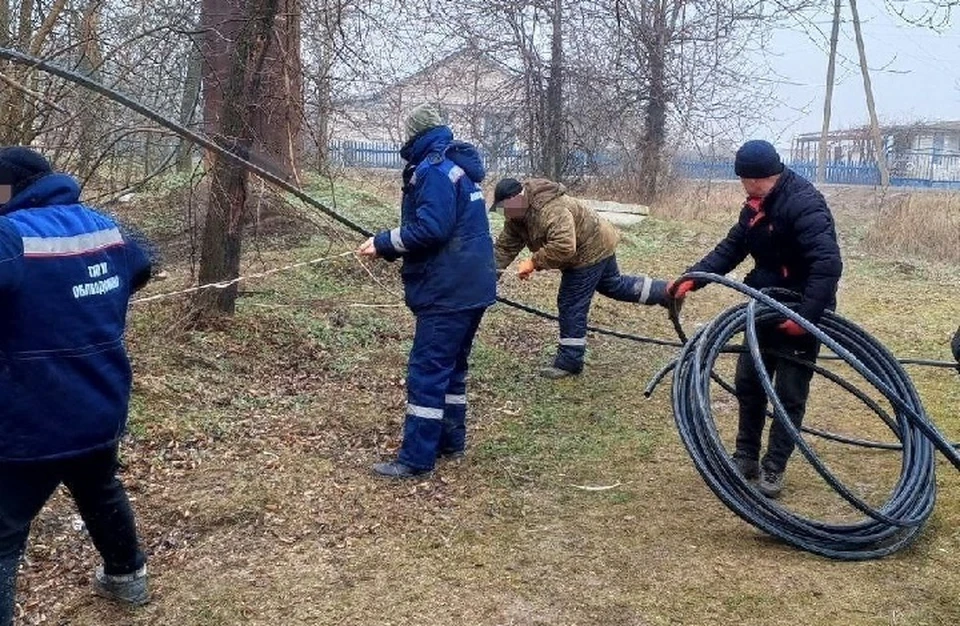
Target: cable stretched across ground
(886,529)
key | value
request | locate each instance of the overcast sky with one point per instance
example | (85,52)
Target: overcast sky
(915,73)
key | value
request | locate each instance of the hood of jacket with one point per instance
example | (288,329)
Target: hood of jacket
(468,158)
(540,191)
(51,190)
(432,140)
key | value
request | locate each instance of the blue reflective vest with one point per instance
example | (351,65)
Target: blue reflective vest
(444,234)
(66,276)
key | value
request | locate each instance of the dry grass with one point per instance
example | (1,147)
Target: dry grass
(694,201)
(250,447)
(919,224)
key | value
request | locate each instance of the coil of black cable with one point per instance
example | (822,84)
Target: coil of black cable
(884,529)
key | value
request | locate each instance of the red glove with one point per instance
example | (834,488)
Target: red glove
(679,290)
(525,269)
(792,328)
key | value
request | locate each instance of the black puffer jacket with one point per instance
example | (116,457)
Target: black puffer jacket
(955,345)
(793,243)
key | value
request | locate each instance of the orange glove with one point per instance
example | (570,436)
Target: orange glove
(679,290)
(792,328)
(525,269)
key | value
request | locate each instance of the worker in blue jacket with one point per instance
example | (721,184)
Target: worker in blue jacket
(449,279)
(66,276)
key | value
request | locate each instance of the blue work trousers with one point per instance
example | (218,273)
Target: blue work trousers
(435,422)
(577,287)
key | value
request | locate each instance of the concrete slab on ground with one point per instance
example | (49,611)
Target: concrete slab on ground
(618,212)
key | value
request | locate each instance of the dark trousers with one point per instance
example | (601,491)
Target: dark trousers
(100,498)
(791,381)
(436,387)
(577,287)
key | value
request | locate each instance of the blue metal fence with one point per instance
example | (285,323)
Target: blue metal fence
(913,169)
(385,155)
(906,169)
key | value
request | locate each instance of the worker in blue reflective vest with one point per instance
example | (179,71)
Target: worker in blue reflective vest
(66,276)
(449,279)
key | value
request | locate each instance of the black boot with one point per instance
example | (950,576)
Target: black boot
(396,469)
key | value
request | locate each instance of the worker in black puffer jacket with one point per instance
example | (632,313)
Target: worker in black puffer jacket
(786,227)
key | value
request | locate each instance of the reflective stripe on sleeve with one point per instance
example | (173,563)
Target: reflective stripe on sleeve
(645,290)
(396,241)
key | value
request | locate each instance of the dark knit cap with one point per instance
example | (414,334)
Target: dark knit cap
(506,188)
(757,159)
(20,167)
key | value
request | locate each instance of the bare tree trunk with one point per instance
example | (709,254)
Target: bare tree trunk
(223,230)
(279,111)
(324,101)
(828,98)
(90,119)
(655,111)
(280,115)
(188,105)
(554,153)
(871,106)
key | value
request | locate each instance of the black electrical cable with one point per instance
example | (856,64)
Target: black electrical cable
(16,56)
(200,139)
(884,529)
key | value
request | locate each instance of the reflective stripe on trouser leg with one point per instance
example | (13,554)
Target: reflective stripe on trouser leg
(570,353)
(573,304)
(437,346)
(453,436)
(617,286)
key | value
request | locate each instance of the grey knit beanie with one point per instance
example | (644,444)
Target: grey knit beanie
(423,117)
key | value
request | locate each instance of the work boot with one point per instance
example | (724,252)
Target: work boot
(396,469)
(129,589)
(555,373)
(748,468)
(452,455)
(771,482)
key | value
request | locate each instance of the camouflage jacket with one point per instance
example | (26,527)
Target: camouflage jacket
(561,231)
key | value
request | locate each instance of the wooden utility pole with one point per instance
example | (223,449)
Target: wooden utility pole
(871,106)
(828,99)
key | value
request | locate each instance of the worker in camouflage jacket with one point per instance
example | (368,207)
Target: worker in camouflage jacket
(564,234)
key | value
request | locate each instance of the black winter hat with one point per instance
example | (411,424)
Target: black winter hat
(506,188)
(20,167)
(757,159)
